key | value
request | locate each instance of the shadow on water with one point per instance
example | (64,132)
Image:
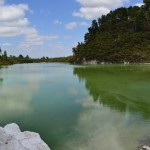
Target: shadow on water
(123,88)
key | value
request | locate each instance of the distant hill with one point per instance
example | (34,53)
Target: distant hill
(123,35)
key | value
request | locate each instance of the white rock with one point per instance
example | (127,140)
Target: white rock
(12,129)
(11,138)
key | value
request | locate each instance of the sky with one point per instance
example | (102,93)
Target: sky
(50,27)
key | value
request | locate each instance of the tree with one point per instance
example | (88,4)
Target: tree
(21,56)
(147,3)
(27,57)
(5,55)
(147,8)
(0,51)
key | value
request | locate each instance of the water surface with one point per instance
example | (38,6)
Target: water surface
(78,107)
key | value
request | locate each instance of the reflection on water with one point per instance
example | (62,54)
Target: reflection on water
(41,98)
(119,117)
(123,88)
(78,108)
(16,93)
(104,129)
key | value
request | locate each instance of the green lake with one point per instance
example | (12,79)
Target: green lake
(98,107)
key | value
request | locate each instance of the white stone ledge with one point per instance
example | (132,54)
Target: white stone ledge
(11,138)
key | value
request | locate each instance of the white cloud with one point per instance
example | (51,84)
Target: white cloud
(20,23)
(6,44)
(13,12)
(105,3)
(83,24)
(32,38)
(139,4)
(71,25)
(13,23)
(1,2)
(91,12)
(6,31)
(57,22)
(12,19)
(92,9)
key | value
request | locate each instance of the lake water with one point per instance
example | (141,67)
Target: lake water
(101,107)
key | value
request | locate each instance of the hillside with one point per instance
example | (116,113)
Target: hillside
(123,35)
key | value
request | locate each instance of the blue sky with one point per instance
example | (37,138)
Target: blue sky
(49,27)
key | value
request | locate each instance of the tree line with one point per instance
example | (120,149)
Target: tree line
(123,35)
(10,60)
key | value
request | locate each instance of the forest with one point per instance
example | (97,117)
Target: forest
(121,36)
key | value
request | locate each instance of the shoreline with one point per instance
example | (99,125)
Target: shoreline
(5,65)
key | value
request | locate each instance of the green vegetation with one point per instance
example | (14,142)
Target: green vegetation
(118,87)
(123,35)
(9,60)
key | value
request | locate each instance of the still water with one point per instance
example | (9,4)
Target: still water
(99,107)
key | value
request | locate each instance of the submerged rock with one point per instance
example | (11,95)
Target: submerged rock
(11,138)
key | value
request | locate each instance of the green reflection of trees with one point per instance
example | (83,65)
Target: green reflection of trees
(120,87)
(1,80)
